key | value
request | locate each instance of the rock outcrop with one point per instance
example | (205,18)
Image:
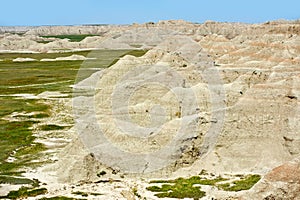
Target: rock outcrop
(282,182)
(23,59)
(72,57)
(146,35)
(217,96)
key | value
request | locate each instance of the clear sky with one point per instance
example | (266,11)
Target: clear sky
(69,12)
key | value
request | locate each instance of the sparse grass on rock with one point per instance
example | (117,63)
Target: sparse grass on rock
(86,194)
(181,187)
(25,192)
(245,183)
(5,179)
(60,198)
(51,127)
(190,187)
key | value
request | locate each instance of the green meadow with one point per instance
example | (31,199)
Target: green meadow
(72,38)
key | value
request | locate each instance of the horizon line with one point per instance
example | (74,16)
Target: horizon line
(128,24)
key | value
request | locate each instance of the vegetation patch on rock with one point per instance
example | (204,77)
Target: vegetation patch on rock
(25,192)
(191,187)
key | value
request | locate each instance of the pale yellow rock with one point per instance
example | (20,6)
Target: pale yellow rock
(259,67)
(23,59)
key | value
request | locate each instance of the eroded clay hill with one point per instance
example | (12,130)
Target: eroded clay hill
(255,108)
(223,97)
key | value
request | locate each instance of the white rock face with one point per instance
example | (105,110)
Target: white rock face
(260,129)
(23,59)
(14,29)
(217,96)
(145,35)
(283,182)
(72,57)
(161,109)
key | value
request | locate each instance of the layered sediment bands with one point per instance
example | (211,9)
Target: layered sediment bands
(259,69)
(148,107)
(260,72)
(283,182)
(175,95)
(149,34)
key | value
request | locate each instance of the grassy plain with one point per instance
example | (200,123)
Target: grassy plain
(72,38)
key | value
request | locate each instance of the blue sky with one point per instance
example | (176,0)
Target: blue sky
(69,12)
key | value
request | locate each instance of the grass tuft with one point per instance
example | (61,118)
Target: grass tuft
(51,127)
(180,188)
(15,180)
(84,194)
(245,183)
(189,187)
(25,192)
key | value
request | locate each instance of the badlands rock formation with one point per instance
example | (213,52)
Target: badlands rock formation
(14,29)
(282,182)
(144,34)
(72,57)
(217,96)
(142,104)
(259,69)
